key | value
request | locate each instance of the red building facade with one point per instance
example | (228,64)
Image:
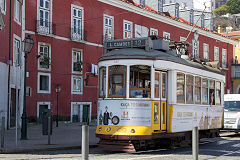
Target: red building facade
(69,36)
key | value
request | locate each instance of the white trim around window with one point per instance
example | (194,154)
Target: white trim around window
(205,51)
(47,85)
(17,11)
(77,84)
(16,45)
(42,44)
(224,58)
(166,36)
(216,53)
(3,6)
(42,103)
(127,29)
(77,51)
(153,31)
(77,30)
(108,29)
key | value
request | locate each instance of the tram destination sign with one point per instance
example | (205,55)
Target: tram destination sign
(127,43)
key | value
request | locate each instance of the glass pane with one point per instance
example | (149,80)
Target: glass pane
(189,94)
(79,13)
(204,95)
(212,84)
(110,22)
(156,113)
(197,95)
(180,88)
(180,78)
(102,82)
(218,85)
(164,80)
(117,80)
(74,12)
(41,18)
(46,4)
(156,85)
(197,81)
(44,83)
(218,97)
(79,26)
(205,83)
(41,3)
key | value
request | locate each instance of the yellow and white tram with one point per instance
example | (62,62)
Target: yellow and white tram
(149,95)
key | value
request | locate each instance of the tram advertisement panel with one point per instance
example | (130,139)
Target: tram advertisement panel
(124,113)
(187,117)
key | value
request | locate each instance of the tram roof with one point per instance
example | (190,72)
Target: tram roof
(137,53)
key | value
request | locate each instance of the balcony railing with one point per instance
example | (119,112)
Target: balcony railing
(235,71)
(78,34)
(45,27)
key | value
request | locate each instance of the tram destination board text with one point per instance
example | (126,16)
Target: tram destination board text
(123,43)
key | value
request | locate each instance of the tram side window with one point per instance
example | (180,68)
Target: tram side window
(197,90)
(204,91)
(102,82)
(189,88)
(164,85)
(218,93)
(117,81)
(157,86)
(212,92)
(140,81)
(180,88)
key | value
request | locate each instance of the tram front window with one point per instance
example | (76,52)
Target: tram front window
(140,81)
(117,81)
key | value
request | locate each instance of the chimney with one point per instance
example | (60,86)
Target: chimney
(220,30)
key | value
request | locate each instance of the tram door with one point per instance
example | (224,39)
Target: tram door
(159,107)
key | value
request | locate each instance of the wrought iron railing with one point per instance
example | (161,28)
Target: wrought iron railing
(45,27)
(78,34)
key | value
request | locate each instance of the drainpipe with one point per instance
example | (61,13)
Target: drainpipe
(9,62)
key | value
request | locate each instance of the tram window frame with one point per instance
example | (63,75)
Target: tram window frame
(218,92)
(211,91)
(157,85)
(164,86)
(206,88)
(123,82)
(183,87)
(138,83)
(102,82)
(197,85)
(189,83)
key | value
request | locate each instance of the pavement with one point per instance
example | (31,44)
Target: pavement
(65,136)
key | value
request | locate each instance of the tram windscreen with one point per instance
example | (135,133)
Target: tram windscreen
(140,81)
(232,105)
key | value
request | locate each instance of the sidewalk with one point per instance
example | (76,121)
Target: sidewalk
(65,136)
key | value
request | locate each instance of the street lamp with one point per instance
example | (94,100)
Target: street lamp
(27,48)
(58,90)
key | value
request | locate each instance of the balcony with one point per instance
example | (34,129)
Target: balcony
(45,27)
(78,34)
(235,70)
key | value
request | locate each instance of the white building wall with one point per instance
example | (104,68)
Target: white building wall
(3,92)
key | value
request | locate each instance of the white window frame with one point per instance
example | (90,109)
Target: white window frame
(49,55)
(224,52)
(166,36)
(49,83)
(126,30)
(108,26)
(17,11)
(152,31)
(205,51)
(5,5)
(141,31)
(76,36)
(72,84)
(50,16)
(195,55)
(81,52)
(15,56)
(216,53)
(42,103)
(81,109)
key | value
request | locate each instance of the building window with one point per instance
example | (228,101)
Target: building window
(17,14)
(16,52)
(197,90)
(44,83)
(166,36)
(3,6)
(216,54)
(205,51)
(153,32)
(189,88)
(195,48)
(77,23)
(108,27)
(141,31)
(127,29)
(77,85)
(77,61)
(180,88)
(44,59)
(43,25)
(224,58)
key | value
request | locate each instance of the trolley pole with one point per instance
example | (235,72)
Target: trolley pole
(195,144)
(85,142)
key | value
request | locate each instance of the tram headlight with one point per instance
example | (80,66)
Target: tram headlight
(115,120)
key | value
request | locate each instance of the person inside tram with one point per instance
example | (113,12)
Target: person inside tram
(212,98)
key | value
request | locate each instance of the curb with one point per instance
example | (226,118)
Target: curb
(5,151)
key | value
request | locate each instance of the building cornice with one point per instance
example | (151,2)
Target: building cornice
(167,20)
